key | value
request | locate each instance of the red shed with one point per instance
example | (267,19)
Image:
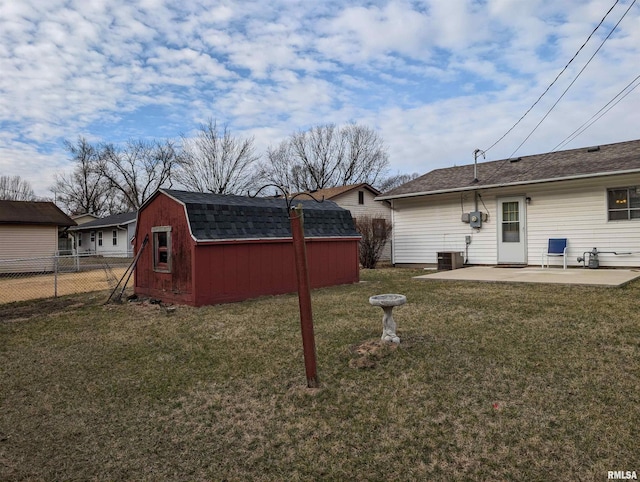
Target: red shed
(207,249)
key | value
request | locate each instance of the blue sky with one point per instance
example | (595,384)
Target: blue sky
(437,79)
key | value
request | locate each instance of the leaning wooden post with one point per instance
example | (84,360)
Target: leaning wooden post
(304,296)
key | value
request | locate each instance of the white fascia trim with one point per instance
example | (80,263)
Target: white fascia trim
(226,240)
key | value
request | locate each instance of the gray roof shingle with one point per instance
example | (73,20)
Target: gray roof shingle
(571,164)
(223,217)
(33,212)
(114,220)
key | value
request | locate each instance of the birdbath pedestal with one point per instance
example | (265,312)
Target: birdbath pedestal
(387,302)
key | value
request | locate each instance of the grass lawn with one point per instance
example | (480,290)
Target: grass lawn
(490,382)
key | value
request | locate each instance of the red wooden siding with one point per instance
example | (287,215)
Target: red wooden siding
(237,271)
(226,271)
(176,286)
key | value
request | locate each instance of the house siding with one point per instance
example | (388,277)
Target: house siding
(371,207)
(122,249)
(575,209)
(28,241)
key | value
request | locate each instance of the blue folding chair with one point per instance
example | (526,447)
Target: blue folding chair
(557,247)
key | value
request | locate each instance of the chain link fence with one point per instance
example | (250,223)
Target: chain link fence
(53,276)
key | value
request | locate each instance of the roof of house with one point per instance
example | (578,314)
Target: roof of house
(609,159)
(215,217)
(108,222)
(332,192)
(78,218)
(33,212)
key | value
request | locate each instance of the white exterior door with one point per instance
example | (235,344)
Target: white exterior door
(512,239)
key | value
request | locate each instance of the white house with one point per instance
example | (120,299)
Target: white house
(360,199)
(30,230)
(504,212)
(109,236)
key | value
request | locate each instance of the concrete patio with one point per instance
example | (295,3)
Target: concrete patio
(571,276)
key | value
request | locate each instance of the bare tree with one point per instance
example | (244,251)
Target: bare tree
(277,169)
(85,189)
(366,157)
(375,234)
(215,161)
(327,156)
(136,170)
(392,182)
(14,188)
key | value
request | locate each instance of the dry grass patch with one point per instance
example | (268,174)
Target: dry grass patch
(490,382)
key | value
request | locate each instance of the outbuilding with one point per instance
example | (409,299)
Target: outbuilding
(206,249)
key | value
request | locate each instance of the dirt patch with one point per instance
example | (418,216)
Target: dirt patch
(44,286)
(369,353)
(15,312)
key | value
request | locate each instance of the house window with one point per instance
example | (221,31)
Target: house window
(92,237)
(510,222)
(99,238)
(79,239)
(379,228)
(623,203)
(360,197)
(161,248)
(115,237)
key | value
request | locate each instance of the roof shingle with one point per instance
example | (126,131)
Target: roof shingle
(222,217)
(114,220)
(553,166)
(33,212)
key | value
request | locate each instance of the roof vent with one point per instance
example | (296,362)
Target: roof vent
(515,159)
(593,149)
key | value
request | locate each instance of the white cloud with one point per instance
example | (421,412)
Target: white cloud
(438,79)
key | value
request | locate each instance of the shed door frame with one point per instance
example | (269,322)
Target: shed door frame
(512,230)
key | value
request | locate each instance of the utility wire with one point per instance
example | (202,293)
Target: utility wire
(554,80)
(596,117)
(574,80)
(590,122)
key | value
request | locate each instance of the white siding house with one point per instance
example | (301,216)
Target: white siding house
(589,196)
(29,230)
(109,236)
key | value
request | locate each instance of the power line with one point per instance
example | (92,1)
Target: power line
(596,117)
(574,80)
(554,80)
(590,122)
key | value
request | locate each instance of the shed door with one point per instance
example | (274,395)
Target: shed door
(512,240)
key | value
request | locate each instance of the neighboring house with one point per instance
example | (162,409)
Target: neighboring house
(360,200)
(209,248)
(30,229)
(84,218)
(109,236)
(591,196)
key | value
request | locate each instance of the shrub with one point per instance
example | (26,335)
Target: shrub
(375,234)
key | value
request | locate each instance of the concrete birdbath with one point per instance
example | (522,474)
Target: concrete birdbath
(387,302)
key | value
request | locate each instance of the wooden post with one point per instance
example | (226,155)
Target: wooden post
(304,296)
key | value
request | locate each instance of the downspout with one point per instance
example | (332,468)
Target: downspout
(393,234)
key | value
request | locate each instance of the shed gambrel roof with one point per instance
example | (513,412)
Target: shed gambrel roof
(597,161)
(33,212)
(108,221)
(217,217)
